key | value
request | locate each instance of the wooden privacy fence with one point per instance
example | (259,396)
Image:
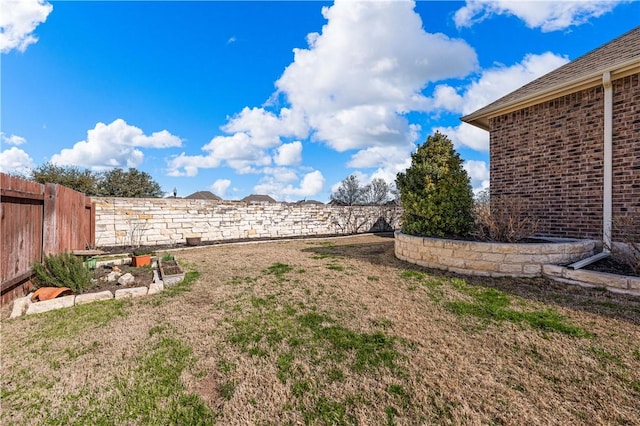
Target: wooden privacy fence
(37,220)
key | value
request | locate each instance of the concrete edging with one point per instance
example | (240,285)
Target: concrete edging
(489,258)
(593,279)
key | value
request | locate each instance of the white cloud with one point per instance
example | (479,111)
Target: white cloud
(351,88)
(114,145)
(15,160)
(447,98)
(18,20)
(492,84)
(281,174)
(188,165)
(289,154)
(388,157)
(220,187)
(495,82)
(544,14)
(368,67)
(479,174)
(252,133)
(466,135)
(312,183)
(12,140)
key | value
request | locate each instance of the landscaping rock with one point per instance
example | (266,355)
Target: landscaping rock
(126,279)
(20,306)
(93,297)
(113,276)
(48,305)
(156,287)
(127,293)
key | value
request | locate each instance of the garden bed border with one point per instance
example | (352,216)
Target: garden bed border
(24,305)
(490,258)
(513,260)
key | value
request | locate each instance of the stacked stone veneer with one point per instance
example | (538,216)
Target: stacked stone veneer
(551,155)
(151,221)
(489,259)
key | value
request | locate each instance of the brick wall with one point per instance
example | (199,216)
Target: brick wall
(149,221)
(551,154)
(626,148)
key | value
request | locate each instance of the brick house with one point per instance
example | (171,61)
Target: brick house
(569,142)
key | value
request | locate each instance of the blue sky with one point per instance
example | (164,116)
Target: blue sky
(273,97)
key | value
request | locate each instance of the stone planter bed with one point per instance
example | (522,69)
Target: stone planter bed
(585,278)
(170,272)
(24,305)
(512,260)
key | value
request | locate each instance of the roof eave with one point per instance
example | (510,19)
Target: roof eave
(481,117)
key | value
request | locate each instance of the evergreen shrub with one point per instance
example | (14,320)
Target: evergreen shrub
(435,192)
(62,270)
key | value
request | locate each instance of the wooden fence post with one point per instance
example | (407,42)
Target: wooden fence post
(49,225)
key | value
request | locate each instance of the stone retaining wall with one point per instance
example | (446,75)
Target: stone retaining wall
(585,278)
(155,221)
(489,259)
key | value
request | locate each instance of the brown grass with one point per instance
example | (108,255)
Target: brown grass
(329,332)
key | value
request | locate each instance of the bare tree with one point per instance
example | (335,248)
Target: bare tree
(349,193)
(376,193)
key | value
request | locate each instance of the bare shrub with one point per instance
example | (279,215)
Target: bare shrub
(503,219)
(626,231)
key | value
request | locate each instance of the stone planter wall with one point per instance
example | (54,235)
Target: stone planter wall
(489,259)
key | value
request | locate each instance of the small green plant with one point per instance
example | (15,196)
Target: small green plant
(142,251)
(167,257)
(62,270)
(494,305)
(278,269)
(435,191)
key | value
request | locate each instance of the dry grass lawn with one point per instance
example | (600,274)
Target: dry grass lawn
(328,332)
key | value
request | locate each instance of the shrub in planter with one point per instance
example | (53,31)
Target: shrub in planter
(435,192)
(62,270)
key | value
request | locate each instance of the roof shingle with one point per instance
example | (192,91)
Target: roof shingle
(622,50)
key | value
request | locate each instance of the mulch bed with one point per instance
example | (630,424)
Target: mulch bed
(143,278)
(612,266)
(171,267)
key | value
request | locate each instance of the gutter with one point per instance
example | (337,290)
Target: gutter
(607,179)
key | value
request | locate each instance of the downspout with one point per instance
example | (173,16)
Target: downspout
(607,179)
(608,162)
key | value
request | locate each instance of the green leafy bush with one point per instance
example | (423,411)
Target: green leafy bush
(62,270)
(435,191)
(142,251)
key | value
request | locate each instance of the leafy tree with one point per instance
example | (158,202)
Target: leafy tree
(435,191)
(132,183)
(70,176)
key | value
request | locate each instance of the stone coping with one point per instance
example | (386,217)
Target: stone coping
(593,279)
(490,258)
(24,305)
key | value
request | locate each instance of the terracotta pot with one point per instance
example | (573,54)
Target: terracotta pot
(48,293)
(141,260)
